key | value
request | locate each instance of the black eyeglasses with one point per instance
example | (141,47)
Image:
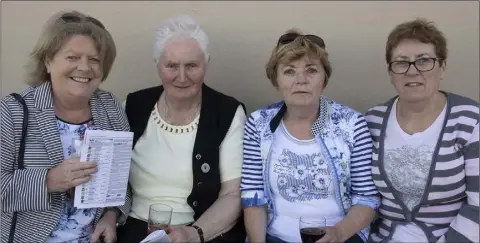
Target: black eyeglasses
(70,18)
(422,65)
(290,37)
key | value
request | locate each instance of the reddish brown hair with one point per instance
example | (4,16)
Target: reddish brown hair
(420,30)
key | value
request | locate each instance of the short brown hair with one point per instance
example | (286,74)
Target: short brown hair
(295,50)
(420,30)
(56,32)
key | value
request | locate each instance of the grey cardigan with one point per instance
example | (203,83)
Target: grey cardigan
(24,191)
(449,207)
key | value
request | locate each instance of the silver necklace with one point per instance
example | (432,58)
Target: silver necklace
(167,115)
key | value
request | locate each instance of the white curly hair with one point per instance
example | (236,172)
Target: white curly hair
(180,26)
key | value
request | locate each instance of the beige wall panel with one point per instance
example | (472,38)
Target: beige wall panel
(243,34)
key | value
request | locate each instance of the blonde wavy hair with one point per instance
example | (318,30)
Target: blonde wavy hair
(56,32)
(299,48)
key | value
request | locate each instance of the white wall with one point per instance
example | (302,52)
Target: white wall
(243,34)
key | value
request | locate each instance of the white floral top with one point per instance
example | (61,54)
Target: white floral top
(301,182)
(75,225)
(342,136)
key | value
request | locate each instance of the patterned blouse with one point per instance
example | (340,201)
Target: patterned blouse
(75,225)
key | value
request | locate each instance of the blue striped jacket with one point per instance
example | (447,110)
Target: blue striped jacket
(344,138)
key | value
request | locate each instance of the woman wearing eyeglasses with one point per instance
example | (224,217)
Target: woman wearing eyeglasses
(425,156)
(306,156)
(73,55)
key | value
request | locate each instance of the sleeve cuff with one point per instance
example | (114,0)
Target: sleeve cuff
(123,214)
(29,191)
(124,209)
(370,201)
(253,198)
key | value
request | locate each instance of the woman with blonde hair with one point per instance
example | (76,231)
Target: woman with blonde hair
(73,55)
(307,156)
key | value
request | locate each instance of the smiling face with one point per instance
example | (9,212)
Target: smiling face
(182,68)
(301,82)
(75,70)
(415,85)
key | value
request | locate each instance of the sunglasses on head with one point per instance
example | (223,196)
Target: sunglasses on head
(290,37)
(70,18)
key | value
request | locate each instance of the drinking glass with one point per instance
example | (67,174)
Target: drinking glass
(159,217)
(312,228)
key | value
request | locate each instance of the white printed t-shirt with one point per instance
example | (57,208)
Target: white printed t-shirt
(407,162)
(301,184)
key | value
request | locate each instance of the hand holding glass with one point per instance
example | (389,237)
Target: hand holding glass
(159,217)
(312,229)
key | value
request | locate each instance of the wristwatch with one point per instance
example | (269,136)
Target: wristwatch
(199,232)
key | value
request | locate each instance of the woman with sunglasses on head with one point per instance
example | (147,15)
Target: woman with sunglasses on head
(73,55)
(425,145)
(306,156)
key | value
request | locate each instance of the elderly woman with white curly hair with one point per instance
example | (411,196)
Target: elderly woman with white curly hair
(187,144)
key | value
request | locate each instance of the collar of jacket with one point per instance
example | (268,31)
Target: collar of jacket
(317,125)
